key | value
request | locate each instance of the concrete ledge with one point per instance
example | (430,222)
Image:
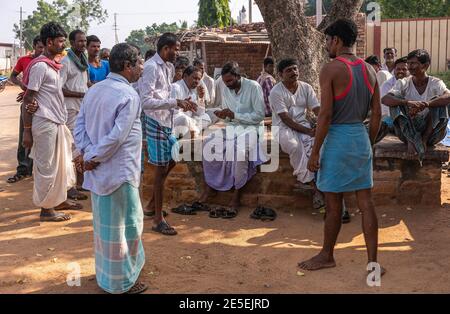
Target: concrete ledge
(396,181)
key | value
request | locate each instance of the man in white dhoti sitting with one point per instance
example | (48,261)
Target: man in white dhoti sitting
(231,155)
(189,87)
(290,100)
(45,130)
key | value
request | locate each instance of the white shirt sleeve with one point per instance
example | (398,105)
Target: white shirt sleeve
(312,101)
(148,93)
(257,103)
(36,76)
(277,102)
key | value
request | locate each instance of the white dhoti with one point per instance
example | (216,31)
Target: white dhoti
(53,170)
(184,123)
(72,115)
(299,147)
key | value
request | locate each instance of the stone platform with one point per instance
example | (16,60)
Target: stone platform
(396,181)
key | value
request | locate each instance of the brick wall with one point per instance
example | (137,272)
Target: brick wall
(250,56)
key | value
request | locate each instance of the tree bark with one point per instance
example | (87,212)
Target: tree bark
(292,36)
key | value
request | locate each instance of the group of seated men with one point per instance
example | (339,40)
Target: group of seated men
(414,104)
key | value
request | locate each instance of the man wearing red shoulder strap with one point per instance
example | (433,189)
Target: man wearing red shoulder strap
(25,164)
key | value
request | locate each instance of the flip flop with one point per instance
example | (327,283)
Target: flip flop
(216,212)
(268,214)
(138,288)
(229,213)
(184,210)
(57,217)
(152,213)
(200,207)
(256,214)
(164,228)
(72,206)
(16,178)
(76,195)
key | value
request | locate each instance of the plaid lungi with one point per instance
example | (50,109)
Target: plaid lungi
(162,145)
(118,224)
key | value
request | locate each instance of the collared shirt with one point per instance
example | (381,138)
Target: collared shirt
(181,91)
(383,76)
(385,89)
(108,131)
(267,82)
(73,80)
(384,67)
(247,104)
(295,105)
(154,90)
(47,83)
(210,88)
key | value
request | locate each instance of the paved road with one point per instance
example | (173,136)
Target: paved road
(9,131)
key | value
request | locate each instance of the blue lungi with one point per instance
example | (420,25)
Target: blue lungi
(345,159)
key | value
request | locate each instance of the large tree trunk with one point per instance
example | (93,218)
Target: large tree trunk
(292,35)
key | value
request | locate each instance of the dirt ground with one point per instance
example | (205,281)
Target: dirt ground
(219,256)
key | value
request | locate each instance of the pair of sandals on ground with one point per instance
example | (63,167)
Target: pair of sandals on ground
(260,212)
(214,212)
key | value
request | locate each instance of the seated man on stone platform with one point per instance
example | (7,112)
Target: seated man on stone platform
(190,87)
(289,101)
(232,154)
(419,106)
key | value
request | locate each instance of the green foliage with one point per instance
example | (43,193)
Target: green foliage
(445,76)
(414,8)
(137,37)
(214,13)
(395,8)
(77,14)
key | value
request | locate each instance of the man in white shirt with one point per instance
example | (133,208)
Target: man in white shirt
(382,75)
(390,54)
(74,76)
(419,106)
(400,72)
(190,87)
(243,112)
(159,107)
(207,81)
(289,100)
(45,130)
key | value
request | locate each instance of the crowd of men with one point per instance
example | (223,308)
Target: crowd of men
(86,119)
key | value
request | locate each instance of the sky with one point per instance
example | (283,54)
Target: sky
(132,14)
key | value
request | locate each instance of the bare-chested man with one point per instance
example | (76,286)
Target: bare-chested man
(348,91)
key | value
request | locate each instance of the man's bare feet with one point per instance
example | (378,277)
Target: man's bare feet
(149,209)
(207,193)
(49,214)
(319,261)
(69,205)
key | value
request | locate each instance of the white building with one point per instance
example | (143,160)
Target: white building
(242,18)
(9,53)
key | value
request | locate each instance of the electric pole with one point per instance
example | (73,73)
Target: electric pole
(20,33)
(115,28)
(250,9)
(318,12)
